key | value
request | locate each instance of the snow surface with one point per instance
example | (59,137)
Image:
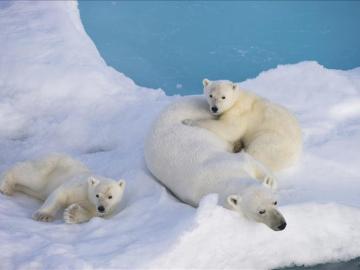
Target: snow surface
(57,94)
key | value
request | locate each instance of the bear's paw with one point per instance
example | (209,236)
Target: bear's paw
(6,189)
(42,216)
(75,214)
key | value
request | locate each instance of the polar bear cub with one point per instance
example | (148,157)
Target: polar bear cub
(63,182)
(265,130)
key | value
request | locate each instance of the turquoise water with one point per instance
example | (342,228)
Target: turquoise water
(173,45)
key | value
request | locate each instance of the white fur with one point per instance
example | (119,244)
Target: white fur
(193,162)
(63,182)
(266,131)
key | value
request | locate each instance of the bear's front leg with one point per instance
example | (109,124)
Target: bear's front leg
(76,214)
(53,203)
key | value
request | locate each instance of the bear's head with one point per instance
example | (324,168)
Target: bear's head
(105,194)
(221,95)
(258,203)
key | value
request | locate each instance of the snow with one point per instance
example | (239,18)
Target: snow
(57,94)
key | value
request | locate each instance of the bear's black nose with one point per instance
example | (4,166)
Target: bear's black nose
(101,209)
(214,109)
(282,226)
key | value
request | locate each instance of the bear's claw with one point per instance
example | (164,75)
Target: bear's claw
(271,181)
(44,217)
(238,146)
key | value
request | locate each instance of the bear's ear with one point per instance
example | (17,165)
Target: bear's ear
(233,200)
(206,82)
(93,181)
(122,183)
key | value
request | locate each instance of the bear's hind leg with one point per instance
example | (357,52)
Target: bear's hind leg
(259,171)
(7,185)
(23,177)
(270,149)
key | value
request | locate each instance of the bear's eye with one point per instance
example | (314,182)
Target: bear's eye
(110,197)
(210,96)
(275,203)
(97,195)
(223,97)
(261,212)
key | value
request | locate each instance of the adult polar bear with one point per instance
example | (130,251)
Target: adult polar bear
(193,162)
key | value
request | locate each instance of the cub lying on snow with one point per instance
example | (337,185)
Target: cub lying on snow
(63,182)
(266,131)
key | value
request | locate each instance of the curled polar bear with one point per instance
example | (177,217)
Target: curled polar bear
(265,130)
(193,162)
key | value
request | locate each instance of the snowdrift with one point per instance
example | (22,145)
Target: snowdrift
(57,94)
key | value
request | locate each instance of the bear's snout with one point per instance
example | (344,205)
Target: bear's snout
(101,209)
(214,109)
(282,226)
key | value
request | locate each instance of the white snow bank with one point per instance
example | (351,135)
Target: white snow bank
(314,231)
(57,94)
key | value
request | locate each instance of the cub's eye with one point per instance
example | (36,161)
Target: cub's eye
(210,96)
(97,195)
(110,197)
(223,97)
(275,203)
(261,212)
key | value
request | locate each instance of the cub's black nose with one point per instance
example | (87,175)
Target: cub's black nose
(101,209)
(214,109)
(282,226)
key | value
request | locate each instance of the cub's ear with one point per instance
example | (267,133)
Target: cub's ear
(234,86)
(92,181)
(206,82)
(122,183)
(233,200)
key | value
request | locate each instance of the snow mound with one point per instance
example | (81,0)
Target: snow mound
(57,94)
(236,243)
